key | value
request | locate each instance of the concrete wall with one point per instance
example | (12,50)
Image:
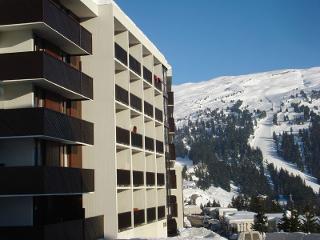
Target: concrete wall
(16,211)
(16,96)
(101,156)
(17,152)
(16,41)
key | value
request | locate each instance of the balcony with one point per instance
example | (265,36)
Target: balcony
(174,210)
(172,126)
(172,152)
(124,221)
(136,140)
(135,102)
(138,217)
(45,181)
(47,72)
(138,178)
(151,178)
(151,214)
(172,179)
(170,98)
(172,227)
(81,229)
(134,65)
(122,136)
(147,75)
(123,178)
(49,21)
(160,179)
(157,82)
(149,144)
(148,109)
(159,146)
(158,115)
(121,54)
(161,212)
(46,124)
(121,95)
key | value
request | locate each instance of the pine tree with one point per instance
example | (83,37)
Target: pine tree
(294,221)
(309,222)
(284,224)
(261,221)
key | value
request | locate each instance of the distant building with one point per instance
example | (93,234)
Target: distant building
(237,222)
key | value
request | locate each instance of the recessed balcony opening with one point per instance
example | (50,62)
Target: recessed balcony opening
(138,178)
(139,207)
(160,179)
(150,179)
(161,212)
(122,136)
(123,178)
(121,55)
(124,221)
(151,214)
(124,199)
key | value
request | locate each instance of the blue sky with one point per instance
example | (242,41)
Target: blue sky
(203,39)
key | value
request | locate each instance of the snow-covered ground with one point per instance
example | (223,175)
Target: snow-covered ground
(264,91)
(263,140)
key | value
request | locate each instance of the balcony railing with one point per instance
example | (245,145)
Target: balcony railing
(47,71)
(49,21)
(123,178)
(172,152)
(148,109)
(172,126)
(136,140)
(174,210)
(44,123)
(81,229)
(170,98)
(158,115)
(121,95)
(151,214)
(172,179)
(134,65)
(45,180)
(135,102)
(161,212)
(151,178)
(139,217)
(160,179)
(121,54)
(149,144)
(147,75)
(124,221)
(159,146)
(172,199)
(122,136)
(138,178)
(172,227)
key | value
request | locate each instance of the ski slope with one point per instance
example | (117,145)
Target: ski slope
(263,91)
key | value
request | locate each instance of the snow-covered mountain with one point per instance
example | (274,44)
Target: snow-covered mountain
(272,92)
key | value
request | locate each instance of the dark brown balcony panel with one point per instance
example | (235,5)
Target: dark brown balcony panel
(157,83)
(147,75)
(159,146)
(139,217)
(151,178)
(81,229)
(172,199)
(174,210)
(123,136)
(160,179)
(172,152)
(134,65)
(45,180)
(170,111)
(46,72)
(138,178)
(149,144)
(135,102)
(123,178)
(172,179)
(136,140)
(48,21)
(121,54)
(122,95)
(172,126)
(124,221)
(172,227)
(148,109)
(46,124)
(158,115)
(151,214)
(170,98)
(161,212)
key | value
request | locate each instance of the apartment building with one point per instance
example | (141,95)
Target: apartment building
(42,129)
(86,124)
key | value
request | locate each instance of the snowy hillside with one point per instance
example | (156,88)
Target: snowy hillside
(268,91)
